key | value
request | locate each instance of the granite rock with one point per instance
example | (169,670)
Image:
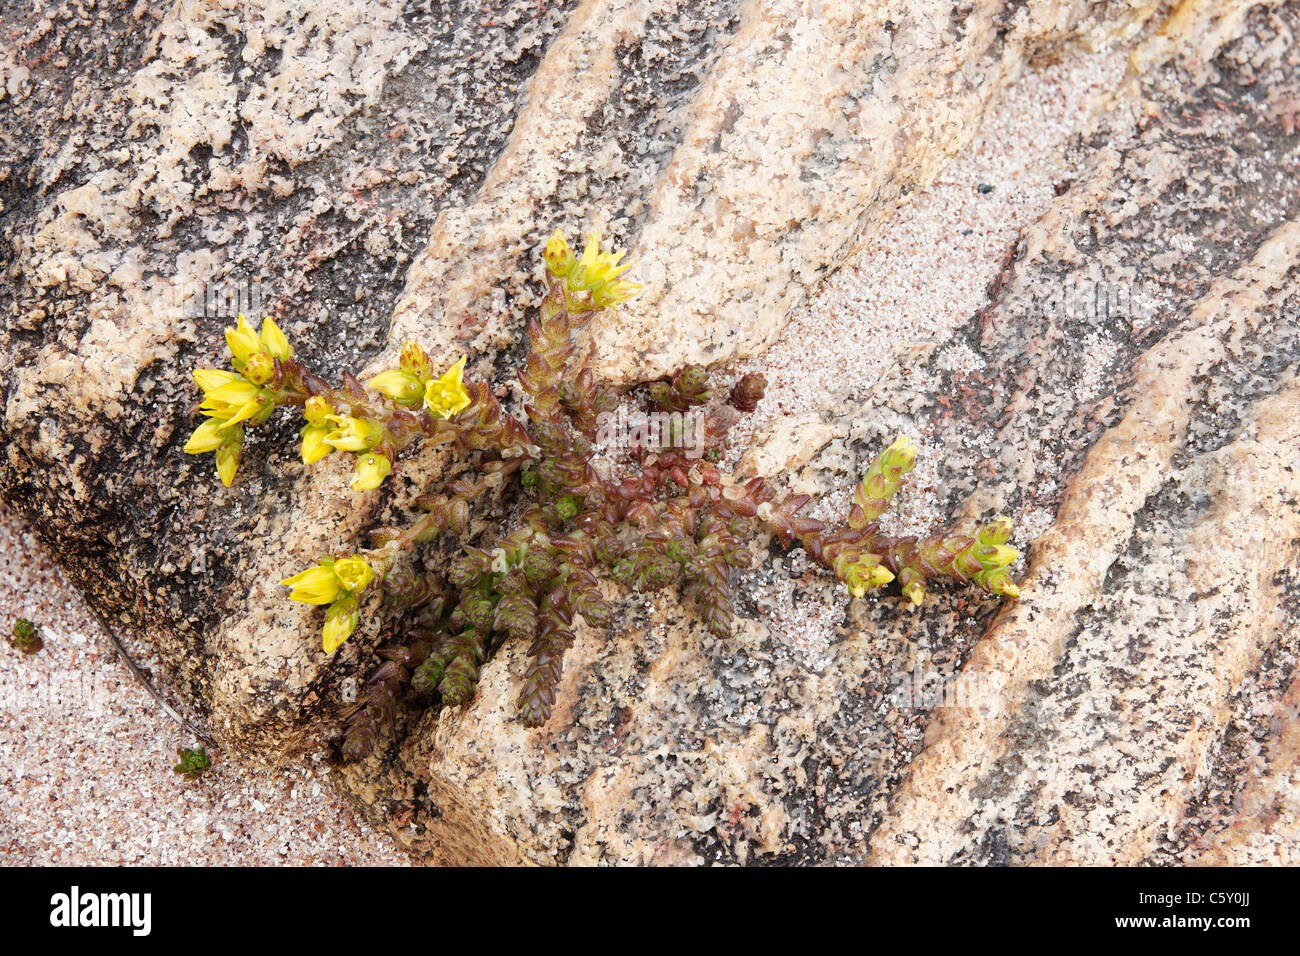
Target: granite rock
(1129,394)
(374,170)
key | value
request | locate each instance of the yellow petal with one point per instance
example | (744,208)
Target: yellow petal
(242,341)
(318,585)
(314,446)
(275,341)
(211,378)
(247,410)
(206,437)
(234,393)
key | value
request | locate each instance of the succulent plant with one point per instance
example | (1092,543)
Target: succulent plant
(674,521)
(192,763)
(26,636)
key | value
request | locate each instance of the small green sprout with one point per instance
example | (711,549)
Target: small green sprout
(25,637)
(193,763)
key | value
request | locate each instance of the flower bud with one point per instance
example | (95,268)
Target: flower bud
(317,411)
(242,341)
(228,454)
(913,586)
(370,471)
(996,555)
(402,386)
(997,531)
(25,637)
(693,382)
(340,621)
(259,368)
(415,361)
(558,255)
(274,341)
(899,457)
(748,391)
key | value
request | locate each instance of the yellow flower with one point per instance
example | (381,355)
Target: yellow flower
(275,342)
(324,583)
(237,401)
(353,434)
(340,621)
(314,445)
(318,585)
(446,395)
(596,273)
(228,454)
(371,470)
(242,341)
(595,266)
(207,437)
(613,293)
(354,573)
(228,399)
(224,389)
(403,387)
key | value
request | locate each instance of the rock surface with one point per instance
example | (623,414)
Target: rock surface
(374,168)
(1133,706)
(339,162)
